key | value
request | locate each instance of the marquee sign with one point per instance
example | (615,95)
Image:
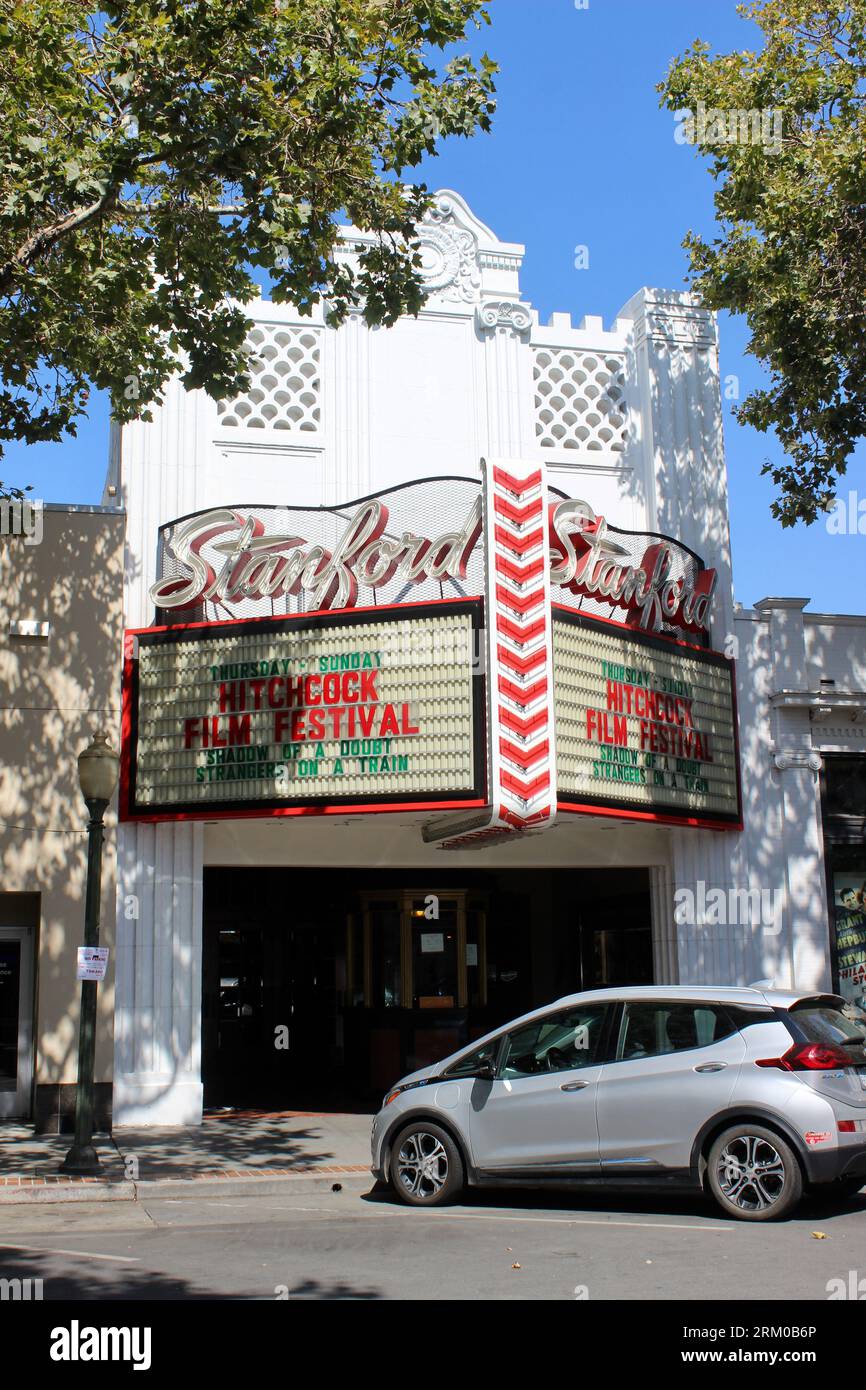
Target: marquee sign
(336,710)
(423,648)
(646,727)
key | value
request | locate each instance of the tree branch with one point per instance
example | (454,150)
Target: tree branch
(42,241)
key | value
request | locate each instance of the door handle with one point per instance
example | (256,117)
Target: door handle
(574,1085)
(711,1066)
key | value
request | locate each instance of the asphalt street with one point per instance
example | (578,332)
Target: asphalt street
(351,1245)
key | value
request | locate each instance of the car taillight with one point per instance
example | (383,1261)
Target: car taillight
(847,1126)
(810,1057)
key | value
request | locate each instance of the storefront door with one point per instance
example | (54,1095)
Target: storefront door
(273,963)
(16,1021)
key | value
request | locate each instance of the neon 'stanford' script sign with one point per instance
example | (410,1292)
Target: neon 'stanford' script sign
(261,566)
(586,560)
(226,556)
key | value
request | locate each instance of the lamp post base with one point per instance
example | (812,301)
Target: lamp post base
(84,1162)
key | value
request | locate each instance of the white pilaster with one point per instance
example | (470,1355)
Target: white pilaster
(795,772)
(665,963)
(157,1066)
(676,357)
(347,412)
(503,327)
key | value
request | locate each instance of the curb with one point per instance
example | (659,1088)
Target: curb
(252,1187)
(32,1192)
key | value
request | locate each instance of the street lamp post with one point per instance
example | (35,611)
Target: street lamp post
(97,775)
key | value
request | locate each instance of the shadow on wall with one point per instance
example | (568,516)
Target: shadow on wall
(780,855)
(57,690)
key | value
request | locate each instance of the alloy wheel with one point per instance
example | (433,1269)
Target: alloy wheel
(422,1164)
(751,1173)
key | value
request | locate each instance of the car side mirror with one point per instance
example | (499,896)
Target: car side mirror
(486,1072)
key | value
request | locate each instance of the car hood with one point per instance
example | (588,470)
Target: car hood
(424,1074)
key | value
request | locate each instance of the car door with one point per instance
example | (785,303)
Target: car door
(539,1112)
(674,1066)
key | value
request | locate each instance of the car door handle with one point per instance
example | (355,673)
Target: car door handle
(711,1066)
(574,1085)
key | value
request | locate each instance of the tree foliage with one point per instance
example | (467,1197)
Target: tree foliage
(791,255)
(157,154)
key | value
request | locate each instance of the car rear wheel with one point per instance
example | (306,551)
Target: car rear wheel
(426,1167)
(753,1174)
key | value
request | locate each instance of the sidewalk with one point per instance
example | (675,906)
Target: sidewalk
(232,1152)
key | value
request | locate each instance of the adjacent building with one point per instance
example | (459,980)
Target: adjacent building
(61,625)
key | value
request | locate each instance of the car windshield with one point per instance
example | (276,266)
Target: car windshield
(825,1022)
(470,1065)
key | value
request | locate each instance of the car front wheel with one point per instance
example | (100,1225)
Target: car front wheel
(426,1168)
(753,1174)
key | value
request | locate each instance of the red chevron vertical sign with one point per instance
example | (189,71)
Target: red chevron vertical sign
(522,756)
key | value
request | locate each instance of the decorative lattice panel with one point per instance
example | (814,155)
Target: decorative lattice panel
(286,387)
(579,400)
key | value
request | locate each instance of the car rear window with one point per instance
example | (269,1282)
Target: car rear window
(829,1021)
(654,1029)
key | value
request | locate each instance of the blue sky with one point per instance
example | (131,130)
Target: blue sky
(582,155)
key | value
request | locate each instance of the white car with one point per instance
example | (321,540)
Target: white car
(751,1093)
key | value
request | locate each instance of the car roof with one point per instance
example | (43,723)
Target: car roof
(719,994)
(710,994)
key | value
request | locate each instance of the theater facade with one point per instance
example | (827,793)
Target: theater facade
(436,703)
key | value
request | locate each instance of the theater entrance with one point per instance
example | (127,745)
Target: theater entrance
(322,987)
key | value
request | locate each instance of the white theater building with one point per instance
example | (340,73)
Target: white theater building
(384,927)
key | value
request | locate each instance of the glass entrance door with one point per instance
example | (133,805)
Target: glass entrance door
(416,963)
(16,1021)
